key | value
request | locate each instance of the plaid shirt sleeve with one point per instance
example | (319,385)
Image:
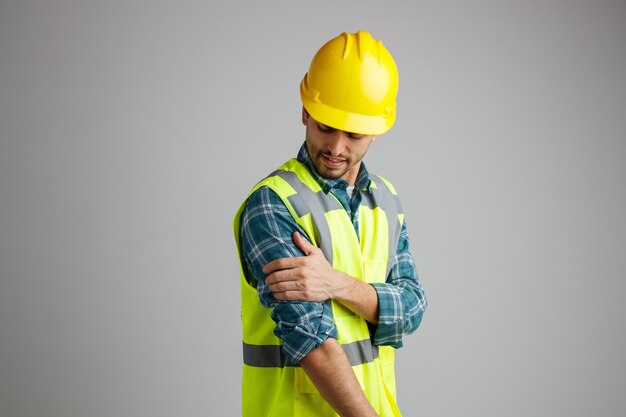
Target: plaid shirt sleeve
(401,299)
(266,234)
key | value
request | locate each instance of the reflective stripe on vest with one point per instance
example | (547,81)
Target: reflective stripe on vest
(272,356)
(390,204)
(307,201)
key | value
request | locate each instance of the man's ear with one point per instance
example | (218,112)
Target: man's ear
(305,116)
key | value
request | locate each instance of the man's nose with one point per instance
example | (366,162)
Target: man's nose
(337,142)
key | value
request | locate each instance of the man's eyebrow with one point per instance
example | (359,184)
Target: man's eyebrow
(332,128)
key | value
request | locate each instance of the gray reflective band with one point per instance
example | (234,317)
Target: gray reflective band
(390,204)
(360,352)
(272,356)
(317,204)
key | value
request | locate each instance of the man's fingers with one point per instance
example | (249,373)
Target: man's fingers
(299,295)
(289,296)
(280,276)
(283,283)
(284,263)
(273,266)
(294,262)
(281,263)
(303,244)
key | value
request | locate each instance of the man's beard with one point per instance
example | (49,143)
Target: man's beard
(329,172)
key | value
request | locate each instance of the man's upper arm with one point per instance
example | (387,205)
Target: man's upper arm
(266,234)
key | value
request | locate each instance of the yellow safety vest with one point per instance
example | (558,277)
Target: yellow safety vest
(272,386)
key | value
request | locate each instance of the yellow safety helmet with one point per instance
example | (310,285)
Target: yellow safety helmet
(352,85)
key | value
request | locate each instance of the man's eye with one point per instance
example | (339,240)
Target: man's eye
(356,135)
(325,128)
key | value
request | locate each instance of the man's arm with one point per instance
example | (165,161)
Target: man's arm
(396,306)
(401,298)
(312,278)
(330,371)
(266,234)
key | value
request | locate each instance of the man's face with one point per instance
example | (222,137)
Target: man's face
(335,153)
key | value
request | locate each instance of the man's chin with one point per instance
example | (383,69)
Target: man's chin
(330,175)
(327,172)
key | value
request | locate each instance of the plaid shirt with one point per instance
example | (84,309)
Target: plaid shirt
(266,234)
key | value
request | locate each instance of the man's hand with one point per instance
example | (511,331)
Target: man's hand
(312,278)
(305,278)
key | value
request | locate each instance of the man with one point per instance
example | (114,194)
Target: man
(328,286)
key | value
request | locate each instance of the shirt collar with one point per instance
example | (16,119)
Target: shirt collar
(362,179)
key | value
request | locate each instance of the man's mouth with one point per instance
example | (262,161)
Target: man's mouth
(333,162)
